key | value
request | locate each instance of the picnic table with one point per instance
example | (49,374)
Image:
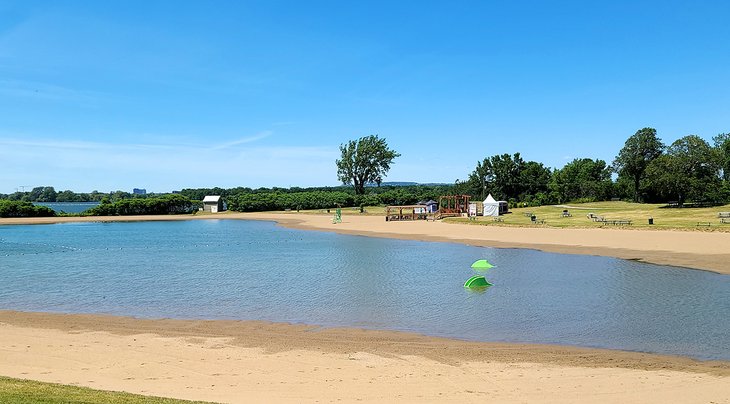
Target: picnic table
(724,215)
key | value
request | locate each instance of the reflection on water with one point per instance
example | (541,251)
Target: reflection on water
(256,270)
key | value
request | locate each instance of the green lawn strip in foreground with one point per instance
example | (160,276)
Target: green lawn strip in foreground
(17,391)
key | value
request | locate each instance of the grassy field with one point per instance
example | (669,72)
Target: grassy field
(16,391)
(637,213)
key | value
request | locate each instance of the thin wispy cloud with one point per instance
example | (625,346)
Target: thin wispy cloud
(245,140)
(106,166)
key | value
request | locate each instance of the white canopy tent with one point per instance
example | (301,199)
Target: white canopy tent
(491,206)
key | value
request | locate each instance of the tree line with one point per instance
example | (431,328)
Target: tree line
(646,170)
(23,209)
(49,194)
(689,169)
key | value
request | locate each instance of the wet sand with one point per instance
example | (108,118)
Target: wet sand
(242,361)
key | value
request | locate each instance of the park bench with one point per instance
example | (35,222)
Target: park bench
(620,222)
(725,220)
(708,224)
(724,215)
(535,220)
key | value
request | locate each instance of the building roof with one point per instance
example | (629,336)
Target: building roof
(212,198)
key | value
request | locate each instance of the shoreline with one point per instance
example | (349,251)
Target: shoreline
(686,249)
(241,361)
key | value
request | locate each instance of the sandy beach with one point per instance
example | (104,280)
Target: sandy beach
(243,361)
(238,362)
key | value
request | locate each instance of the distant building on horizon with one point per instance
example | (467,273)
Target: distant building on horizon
(139,191)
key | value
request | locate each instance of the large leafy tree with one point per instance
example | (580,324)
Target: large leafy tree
(688,171)
(722,146)
(582,179)
(364,161)
(508,177)
(638,151)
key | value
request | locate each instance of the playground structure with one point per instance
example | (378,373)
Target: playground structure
(448,206)
(406,212)
(337,218)
(453,205)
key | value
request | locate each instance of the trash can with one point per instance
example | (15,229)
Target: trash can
(651,220)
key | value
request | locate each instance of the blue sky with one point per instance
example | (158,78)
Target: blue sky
(98,95)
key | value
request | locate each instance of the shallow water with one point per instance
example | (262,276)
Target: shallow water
(229,269)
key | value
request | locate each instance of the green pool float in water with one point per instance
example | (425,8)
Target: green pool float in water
(481,265)
(477,281)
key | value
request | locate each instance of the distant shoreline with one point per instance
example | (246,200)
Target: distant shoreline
(689,249)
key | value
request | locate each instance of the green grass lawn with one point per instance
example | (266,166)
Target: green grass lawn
(16,391)
(638,213)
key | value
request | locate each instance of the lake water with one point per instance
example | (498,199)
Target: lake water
(68,207)
(228,269)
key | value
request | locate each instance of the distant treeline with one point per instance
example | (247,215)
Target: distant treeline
(49,194)
(23,209)
(279,199)
(160,205)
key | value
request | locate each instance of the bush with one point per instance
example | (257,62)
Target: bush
(163,205)
(24,209)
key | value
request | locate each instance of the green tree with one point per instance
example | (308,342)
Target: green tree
(366,160)
(638,151)
(584,179)
(722,145)
(688,171)
(507,177)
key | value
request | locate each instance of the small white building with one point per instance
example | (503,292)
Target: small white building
(213,204)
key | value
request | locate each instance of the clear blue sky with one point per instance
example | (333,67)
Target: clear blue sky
(164,95)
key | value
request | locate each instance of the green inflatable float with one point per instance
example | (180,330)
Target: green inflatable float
(479,281)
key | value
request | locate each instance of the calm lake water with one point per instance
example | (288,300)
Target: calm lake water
(68,207)
(228,269)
